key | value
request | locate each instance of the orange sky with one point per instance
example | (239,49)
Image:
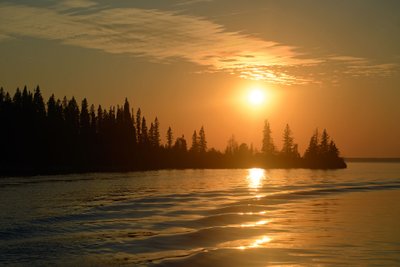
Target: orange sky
(327,65)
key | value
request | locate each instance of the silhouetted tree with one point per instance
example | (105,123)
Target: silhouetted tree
(202,143)
(84,119)
(324,145)
(93,121)
(62,136)
(232,146)
(138,126)
(288,143)
(312,151)
(333,152)
(144,135)
(180,144)
(38,103)
(268,147)
(195,143)
(169,138)
(156,133)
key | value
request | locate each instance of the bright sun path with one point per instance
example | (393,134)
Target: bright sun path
(256,97)
(256,177)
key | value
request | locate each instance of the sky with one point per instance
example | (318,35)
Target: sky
(192,63)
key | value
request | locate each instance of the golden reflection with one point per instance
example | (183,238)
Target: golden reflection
(257,243)
(261,241)
(262,222)
(256,177)
(252,213)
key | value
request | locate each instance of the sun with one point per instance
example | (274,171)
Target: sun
(256,97)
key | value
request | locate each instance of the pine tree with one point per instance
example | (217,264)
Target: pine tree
(333,151)
(180,144)
(232,146)
(169,138)
(92,120)
(151,135)
(156,133)
(38,104)
(99,121)
(268,147)
(84,118)
(287,147)
(324,145)
(144,133)
(195,144)
(138,126)
(202,143)
(312,151)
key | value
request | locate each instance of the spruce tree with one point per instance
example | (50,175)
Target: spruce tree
(202,140)
(268,147)
(156,133)
(169,138)
(288,143)
(195,144)
(312,151)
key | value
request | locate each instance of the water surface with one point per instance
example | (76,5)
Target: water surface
(204,218)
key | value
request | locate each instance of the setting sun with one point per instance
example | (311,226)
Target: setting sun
(256,97)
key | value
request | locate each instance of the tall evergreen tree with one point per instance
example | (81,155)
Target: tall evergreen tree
(151,135)
(333,152)
(180,144)
(99,121)
(268,147)
(39,104)
(156,133)
(232,146)
(288,143)
(93,120)
(324,145)
(202,140)
(144,133)
(195,143)
(312,151)
(169,138)
(138,126)
(84,118)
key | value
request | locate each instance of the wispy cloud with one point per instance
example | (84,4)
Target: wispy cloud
(165,35)
(76,4)
(191,2)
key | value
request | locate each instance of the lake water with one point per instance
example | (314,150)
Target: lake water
(204,218)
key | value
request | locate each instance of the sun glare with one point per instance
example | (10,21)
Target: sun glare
(256,177)
(256,97)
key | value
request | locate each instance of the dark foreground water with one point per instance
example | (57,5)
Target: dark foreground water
(204,218)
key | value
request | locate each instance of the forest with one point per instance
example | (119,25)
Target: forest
(61,136)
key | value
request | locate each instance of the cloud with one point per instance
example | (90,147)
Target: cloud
(163,36)
(4,37)
(69,4)
(191,2)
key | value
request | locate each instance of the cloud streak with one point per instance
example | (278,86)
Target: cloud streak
(166,35)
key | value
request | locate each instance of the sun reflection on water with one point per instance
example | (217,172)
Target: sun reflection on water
(262,222)
(257,243)
(256,177)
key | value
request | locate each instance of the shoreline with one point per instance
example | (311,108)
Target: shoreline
(34,173)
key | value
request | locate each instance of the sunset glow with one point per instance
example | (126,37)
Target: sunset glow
(256,97)
(255,177)
(226,68)
(199,133)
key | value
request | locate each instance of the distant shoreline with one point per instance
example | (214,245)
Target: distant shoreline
(377,160)
(27,173)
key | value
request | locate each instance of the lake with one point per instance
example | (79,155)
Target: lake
(240,217)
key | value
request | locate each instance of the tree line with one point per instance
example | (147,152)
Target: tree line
(59,135)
